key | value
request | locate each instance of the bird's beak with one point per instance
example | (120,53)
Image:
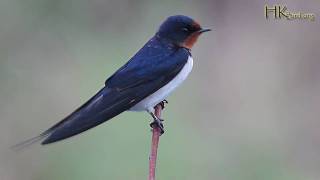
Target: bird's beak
(204,30)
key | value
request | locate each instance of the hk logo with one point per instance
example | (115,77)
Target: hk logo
(278,12)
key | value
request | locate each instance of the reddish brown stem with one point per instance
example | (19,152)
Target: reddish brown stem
(156,132)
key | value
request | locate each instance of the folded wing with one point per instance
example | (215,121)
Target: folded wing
(145,73)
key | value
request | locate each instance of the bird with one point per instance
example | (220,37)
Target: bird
(146,80)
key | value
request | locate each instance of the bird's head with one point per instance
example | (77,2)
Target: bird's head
(181,31)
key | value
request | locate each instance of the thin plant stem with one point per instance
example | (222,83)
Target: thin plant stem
(156,132)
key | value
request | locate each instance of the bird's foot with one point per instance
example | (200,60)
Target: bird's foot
(162,103)
(157,123)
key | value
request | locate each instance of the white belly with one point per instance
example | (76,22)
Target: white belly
(158,96)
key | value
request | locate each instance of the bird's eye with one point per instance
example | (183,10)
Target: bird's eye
(185,29)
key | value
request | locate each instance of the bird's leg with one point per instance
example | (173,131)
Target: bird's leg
(157,122)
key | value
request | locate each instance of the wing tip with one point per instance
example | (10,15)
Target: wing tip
(48,140)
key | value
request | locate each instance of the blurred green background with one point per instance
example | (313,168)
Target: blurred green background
(249,110)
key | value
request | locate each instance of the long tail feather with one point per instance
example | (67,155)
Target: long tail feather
(31,141)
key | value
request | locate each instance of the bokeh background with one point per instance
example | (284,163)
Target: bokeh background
(249,110)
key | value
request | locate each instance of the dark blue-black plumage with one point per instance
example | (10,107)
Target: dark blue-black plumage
(151,68)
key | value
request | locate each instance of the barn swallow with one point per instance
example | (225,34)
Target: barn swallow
(158,68)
